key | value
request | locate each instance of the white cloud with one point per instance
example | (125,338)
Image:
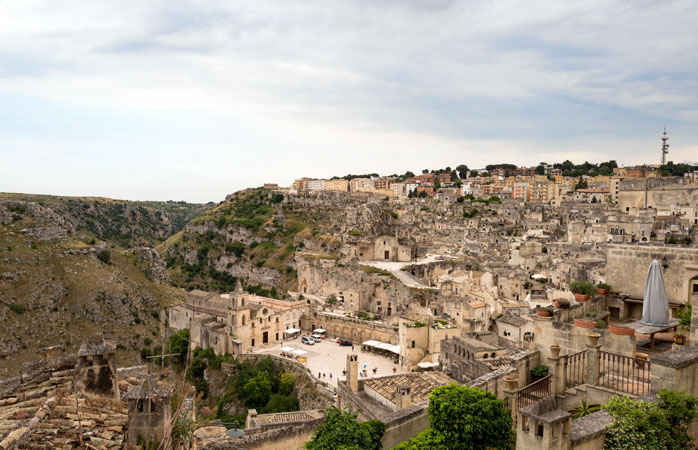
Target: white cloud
(294,88)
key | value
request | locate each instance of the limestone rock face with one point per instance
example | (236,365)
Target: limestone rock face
(150,263)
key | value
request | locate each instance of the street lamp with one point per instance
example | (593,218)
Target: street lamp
(665,264)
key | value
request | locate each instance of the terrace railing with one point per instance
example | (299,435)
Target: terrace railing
(532,393)
(576,369)
(624,373)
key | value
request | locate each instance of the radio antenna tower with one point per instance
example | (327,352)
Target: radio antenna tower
(665,146)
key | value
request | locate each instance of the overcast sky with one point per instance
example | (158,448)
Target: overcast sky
(194,100)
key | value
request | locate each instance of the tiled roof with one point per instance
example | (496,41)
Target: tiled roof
(422,383)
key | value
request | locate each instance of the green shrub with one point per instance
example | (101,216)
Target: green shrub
(104,256)
(583,287)
(17,308)
(662,425)
(539,372)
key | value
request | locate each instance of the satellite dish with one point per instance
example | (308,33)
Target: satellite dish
(235,433)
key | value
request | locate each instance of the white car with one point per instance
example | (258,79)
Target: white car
(316,337)
(307,340)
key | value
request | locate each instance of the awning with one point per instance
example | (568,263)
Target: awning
(286,349)
(427,365)
(292,331)
(299,352)
(382,346)
(395,349)
(538,276)
(319,330)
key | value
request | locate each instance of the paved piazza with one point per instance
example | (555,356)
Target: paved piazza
(328,357)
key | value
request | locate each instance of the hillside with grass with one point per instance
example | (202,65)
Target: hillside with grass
(60,281)
(254,235)
(126,223)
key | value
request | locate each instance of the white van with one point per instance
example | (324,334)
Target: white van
(307,340)
(316,337)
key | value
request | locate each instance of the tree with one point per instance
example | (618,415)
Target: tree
(464,418)
(540,170)
(179,343)
(462,171)
(425,171)
(342,431)
(642,425)
(581,184)
(258,390)
(286,383)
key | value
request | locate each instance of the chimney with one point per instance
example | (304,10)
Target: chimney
(403,398)
(353,372)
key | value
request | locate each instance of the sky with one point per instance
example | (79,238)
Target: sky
(193,100)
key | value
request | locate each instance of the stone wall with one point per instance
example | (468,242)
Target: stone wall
(353,329)
(627,267)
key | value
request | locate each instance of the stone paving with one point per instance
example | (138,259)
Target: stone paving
(328,357)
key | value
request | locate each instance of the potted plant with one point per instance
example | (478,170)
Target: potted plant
(545,312)
(562,303)
(601,324)
(588,322)
(603,288)
(582,290)
(684,325)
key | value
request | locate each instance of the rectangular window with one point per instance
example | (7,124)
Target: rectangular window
(413,344)
(252,342)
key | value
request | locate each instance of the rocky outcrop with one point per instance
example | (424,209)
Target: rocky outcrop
(149,262)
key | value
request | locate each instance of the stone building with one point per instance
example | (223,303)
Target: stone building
(97,367)
(385,248)
(236,322)
(465,358)
(420,341)
(399,401)
(149,410)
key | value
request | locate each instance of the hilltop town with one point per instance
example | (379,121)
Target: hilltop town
(364,293)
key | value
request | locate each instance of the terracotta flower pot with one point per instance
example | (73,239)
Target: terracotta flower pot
(679,339)
(583,323)
(621,330)
(593,338)
(561,303)
(640,359)
(544,312)
(555,350)
(582,297)
(511,382)
(602,291)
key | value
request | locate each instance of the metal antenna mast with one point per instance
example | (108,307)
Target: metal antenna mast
(665,146)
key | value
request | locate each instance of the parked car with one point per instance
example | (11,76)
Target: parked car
(307,340)
(345,343)
(316,337)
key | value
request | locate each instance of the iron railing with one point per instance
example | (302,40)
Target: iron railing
(532,393)
(576,369)
(624,373)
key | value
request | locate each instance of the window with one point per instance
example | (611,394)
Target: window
(413,344)
(252,342)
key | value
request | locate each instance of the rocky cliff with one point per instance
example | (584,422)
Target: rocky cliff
(60,281)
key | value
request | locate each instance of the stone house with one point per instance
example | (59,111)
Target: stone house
(385,248)
(236,322)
